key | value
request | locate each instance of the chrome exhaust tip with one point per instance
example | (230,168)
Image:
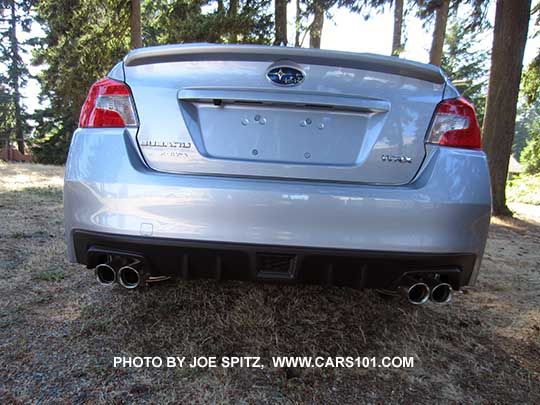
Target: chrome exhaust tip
(105,274)
(441,293)
(416,293)
(131,276)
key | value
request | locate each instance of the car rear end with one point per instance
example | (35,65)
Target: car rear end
(278,164)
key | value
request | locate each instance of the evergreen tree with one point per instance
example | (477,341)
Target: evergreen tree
(531,82)
(466,64)
(135,24)
(509,38)
(528,115)
(438,11)
(6,115)
(319,9)
(84,38)
(439,31)
(397,41)
(527,135)
(298,23)
(530,155)
(180,21)
(280,17)
(15,16)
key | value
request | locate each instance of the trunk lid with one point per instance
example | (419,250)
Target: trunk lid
(282,112)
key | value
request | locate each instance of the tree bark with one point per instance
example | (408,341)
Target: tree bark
(135,22)
(509,38)
(297,21)
(398,28)
(15,79)
(435,54)
(233,12)
(315,32)
(280,14)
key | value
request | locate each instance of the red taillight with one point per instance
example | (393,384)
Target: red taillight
(455,124)
(108,105)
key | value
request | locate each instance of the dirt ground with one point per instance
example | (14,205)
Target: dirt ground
(59,330)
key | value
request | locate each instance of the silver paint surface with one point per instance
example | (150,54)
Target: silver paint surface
(339,161)
(277,54)
(446,209)
(348,147)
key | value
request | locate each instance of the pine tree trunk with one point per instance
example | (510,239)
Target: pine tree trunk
(280,14)
(435,55)
(233,12)
(398,27)
(509,38)
(298,20)
(136,40)
(15,79)
(315,32)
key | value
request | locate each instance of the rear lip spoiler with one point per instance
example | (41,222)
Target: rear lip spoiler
(272,54)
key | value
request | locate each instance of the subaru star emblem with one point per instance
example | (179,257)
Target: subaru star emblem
(285,76)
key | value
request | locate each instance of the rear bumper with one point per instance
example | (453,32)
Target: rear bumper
(444,212)
(291,264)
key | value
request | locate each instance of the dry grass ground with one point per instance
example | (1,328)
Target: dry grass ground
(59,330)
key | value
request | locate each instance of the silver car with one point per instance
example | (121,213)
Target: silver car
(278,164)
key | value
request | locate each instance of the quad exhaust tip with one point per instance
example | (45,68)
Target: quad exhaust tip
(130,276)
(105,274)
(416,293)
(441,293)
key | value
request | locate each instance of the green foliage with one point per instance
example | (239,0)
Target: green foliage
(51,275)
(476,21)
(465,64)
(530,156)
(7,121)
(10,45)
(15,16)
(51,141)
(85,38)
(364,7)
(524,189)
(526,115)
(181,21)
(530,84)
(527,135)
